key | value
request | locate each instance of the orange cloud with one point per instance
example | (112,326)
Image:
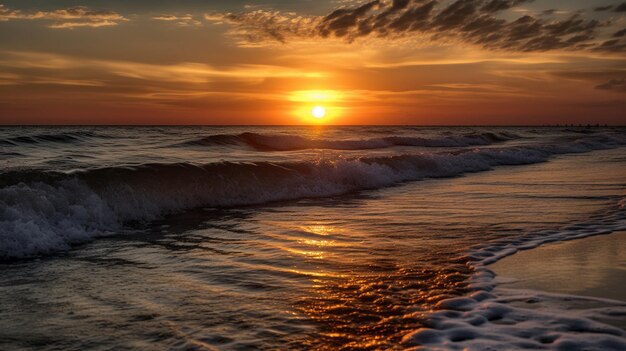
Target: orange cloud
(184,20)
(66,18)
(186,72)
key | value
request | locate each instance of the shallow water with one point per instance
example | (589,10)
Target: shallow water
(593,266)
(163,238)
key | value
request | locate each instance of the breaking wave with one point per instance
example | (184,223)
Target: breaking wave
(43,212)
(262,142)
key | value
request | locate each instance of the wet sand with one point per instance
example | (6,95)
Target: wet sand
(594,267)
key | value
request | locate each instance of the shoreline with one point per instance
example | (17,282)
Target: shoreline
(493,316)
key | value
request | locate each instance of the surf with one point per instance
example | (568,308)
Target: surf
(46,211)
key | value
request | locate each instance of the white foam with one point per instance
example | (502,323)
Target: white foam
(495,318)
(41,218)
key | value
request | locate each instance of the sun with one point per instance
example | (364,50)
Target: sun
(317,106)
(318,112)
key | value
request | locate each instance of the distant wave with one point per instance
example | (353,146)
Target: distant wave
(263,142)
(43,212)
(69,137)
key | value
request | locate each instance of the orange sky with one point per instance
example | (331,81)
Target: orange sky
(380,62)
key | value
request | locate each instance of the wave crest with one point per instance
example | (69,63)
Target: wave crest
(45,138)
(262,142)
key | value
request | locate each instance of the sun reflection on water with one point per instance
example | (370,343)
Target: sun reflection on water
(369,301)
(320,229)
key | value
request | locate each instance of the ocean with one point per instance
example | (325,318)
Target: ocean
(293,238)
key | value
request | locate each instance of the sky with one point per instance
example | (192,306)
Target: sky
(406,62)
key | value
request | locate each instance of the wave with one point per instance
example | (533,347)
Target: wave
(261,142)
(69,137)
(43,212)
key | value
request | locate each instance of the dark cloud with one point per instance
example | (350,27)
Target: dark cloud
(501,5)
(603,79)
(341,21)
(618,85)
(620,33)
(475,22)
(613,45)
(455,15)
(382,19)
(415,18)
(602,8)
(619,8)
(574,24)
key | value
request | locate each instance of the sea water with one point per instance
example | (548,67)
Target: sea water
(325,238)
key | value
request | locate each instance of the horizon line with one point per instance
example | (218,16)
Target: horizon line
(552,125)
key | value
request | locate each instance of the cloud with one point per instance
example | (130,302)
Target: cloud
(602,78)
(66,18)
(184,20)
(619,33)
(618,85)
(613,45)
(184,72)
(602,8)
(501,5)
(92,24)
(618,8)
(474,22)
(262,25)
(339,22)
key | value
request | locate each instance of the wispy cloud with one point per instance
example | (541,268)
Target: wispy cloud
(258,26)
(66,18)
(186,72)
(186,20)
(618,8)
(618,85)
(472,22)
(603,78)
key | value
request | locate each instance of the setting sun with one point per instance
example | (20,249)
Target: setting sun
(318,112)
(318,106)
